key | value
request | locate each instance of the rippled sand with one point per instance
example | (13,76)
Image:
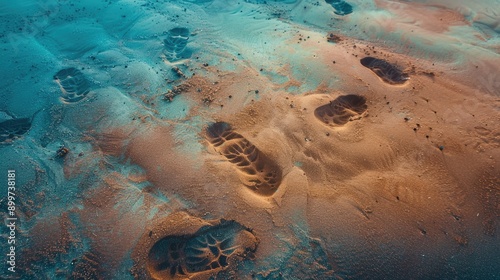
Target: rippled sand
(253,139)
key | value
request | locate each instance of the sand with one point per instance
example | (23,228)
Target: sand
(235,141)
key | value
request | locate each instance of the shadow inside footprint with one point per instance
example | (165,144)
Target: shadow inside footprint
(386,71)
(342,110)
(210,249)
(175,44)
(260,174)
(341,7)
(74,86)
(12,129)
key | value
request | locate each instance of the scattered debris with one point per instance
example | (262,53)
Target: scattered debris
(332,38)
(207,99)
(62,152)
(171,93)
(178,72)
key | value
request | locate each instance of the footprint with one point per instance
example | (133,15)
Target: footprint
(13,129)
(341,7)
(260,174)
(73,84)
(175,44)
(342,110)
(211,249)
(386,71)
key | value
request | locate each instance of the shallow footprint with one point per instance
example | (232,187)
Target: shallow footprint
(74,86)
(175,44)
(261,174)
(341,7)
(386,71)
(12,129)
(209,250)
(342,110)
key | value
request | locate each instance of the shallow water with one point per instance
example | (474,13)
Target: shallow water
(244,131)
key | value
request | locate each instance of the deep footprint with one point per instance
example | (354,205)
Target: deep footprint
(260,174)
(210,249)
(341,7)
(342,110)
(74,86)
(13,129)
(175,44)
(386,71)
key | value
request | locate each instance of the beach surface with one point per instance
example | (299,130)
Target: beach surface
(252,139)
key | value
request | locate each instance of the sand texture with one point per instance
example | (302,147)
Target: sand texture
(252,139)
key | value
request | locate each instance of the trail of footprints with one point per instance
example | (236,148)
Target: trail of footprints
(75,86)
(213,248)
(210,249)
(259,173)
